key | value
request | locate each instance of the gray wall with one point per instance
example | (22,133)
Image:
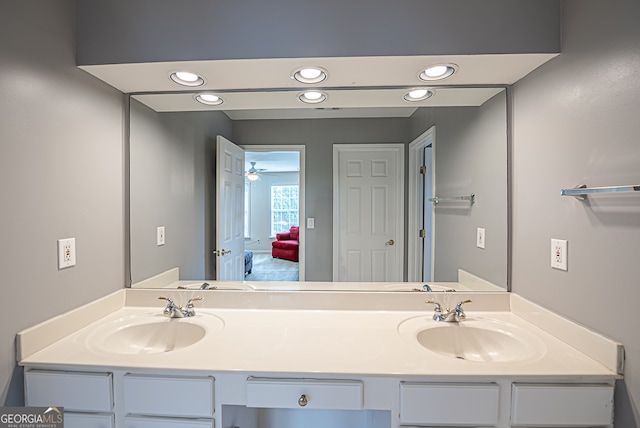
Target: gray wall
(576,121)
(319,136)
(471,156)
(61,176)
(172,160)
(166,30)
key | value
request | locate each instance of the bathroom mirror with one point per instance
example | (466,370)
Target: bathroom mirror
(172,174)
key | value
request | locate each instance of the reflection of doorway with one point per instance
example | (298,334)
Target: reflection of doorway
(421,218)
(274,201)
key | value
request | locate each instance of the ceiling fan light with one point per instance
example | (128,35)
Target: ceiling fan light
(438,72)
(252,176)
(309,74)
(187,78)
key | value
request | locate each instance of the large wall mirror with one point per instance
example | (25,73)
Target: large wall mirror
(454,216)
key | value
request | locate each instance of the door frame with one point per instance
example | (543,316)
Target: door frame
(414,241)
(337,149)
(300,148)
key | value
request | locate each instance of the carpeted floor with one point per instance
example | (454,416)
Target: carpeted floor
(266,268)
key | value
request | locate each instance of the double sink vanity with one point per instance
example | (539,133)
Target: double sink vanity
(262,359)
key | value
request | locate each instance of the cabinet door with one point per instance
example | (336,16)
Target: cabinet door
(561,405)
(80,391)
(88,420)
(449,404)
(168,395)
(308,394)
(142,422)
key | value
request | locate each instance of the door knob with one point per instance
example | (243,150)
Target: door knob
(221,252)
(390,242)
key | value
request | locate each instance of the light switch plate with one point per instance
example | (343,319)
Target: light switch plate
(160,236)
(480,237)
(559,254)
(311,223)
(66,253)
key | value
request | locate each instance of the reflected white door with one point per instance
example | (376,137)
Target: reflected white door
(368,212)
(229,211)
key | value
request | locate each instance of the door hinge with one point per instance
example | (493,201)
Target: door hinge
(423,169)
(423,233)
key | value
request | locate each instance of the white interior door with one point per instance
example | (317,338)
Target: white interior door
(229,211)
(368,212)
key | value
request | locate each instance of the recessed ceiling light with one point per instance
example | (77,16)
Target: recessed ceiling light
(418,94)
(187,78)
(438,72)
(309,74)
(312,97)
(209,99)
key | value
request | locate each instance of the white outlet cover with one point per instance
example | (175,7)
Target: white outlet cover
(559,254)
(66,253)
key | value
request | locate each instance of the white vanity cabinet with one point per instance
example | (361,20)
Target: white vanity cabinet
(449,404)
(118,399)
(304,393)
(87,397)
(151,401)
(561,405)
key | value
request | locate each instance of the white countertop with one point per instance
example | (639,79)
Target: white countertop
(255,338)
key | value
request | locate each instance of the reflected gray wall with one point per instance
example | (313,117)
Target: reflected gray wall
(471,156)
(61,176)
(576,121)
(171,185)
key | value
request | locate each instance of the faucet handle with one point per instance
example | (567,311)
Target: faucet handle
(190,301)
(459,311)
(438,308)
(459,305)
(169,301)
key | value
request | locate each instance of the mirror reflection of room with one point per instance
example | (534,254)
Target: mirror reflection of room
(272,215)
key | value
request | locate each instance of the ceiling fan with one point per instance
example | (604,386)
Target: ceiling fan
(254,173)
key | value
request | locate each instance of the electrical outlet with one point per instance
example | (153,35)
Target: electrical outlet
(160,236)
(66,253)
(480,237)
(559,254)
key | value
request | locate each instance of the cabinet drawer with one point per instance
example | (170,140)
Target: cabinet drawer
(88,420)
(449,404)
(142,422)
(561,405)
(168,395)
(81,391)
(308,394)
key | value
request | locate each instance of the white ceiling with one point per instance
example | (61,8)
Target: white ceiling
(273,161)
(356,86)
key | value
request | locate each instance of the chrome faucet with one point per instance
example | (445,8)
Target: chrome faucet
(174,311)
(455,315)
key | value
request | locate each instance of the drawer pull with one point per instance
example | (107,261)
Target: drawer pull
(302,401)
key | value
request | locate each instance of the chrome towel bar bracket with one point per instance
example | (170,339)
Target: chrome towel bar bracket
(581,192)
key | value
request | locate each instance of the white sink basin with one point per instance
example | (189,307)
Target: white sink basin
(479,340)
(144,334)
